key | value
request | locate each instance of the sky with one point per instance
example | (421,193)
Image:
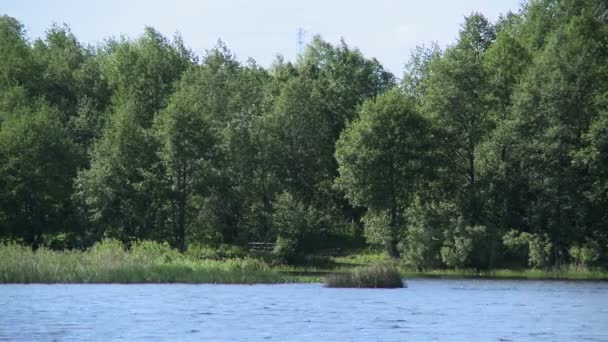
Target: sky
(388,30)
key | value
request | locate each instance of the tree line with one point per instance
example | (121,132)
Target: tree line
(491,152)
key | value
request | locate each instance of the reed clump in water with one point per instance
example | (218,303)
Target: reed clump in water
(374,276)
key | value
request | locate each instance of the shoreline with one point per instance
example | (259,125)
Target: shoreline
(110,263)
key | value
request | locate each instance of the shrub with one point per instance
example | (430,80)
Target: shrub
(540,251)
(285,249)
(459,244)
(375,276)
(456,254)
(585,255)
(290,219)
(425,223)
(517,246)
(537,247)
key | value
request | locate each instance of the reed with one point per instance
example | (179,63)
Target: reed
(110,262)
(374,276)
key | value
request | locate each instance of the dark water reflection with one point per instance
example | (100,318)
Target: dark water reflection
(442,310)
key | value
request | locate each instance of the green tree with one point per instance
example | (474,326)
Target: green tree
(37,165)
(553,110)
(186,153)
(455,99)
(383,156)
(71,80)
(119,192)
(18,68)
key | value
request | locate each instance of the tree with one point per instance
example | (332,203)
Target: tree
(37,165)
(454,98)
(383,156)
(186,152)
(17,67)
(71,80)
(119,192)
(142,72)
(554,108)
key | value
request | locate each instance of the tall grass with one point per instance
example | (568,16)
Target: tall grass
(565,273)
(374,276)
(109,262)
(150,262)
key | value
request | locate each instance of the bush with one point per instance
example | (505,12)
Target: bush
(285,249)
(517,247)
(536,247)
(459,244)
(424,232)
(290,219)
(540,251)
(585,255)
(456,254)
(375,276)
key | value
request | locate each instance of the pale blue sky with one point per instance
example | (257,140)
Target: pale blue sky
(385,29)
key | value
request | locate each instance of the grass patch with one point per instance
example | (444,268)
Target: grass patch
(566,273)
(109,262)
(364,258)
(151,262)
(374,276)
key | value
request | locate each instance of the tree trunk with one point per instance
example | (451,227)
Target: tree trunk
(393,252)
(473,214)
(181,218)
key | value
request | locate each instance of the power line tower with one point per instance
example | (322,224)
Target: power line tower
(300,34)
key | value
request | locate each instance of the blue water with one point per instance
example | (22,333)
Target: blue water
(442,310)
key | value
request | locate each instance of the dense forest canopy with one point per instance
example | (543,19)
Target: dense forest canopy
(491,152)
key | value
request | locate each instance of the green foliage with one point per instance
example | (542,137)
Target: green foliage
(110,262)
(516,244)
(147,251)
(424,235)
(455,98)
(587,254)
(289,218)
(540,251)
(186,155)
(460,242)
(18,67)
(37,164)
(221,252)
(537,247)
(376,227)
(492,152)
(383,157)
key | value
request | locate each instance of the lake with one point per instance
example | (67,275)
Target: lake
(433,309)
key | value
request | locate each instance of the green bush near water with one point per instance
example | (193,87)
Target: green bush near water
(109,262)
(374,276)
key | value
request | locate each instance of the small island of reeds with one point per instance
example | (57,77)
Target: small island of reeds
(374,276)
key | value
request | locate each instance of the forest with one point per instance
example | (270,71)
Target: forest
(488,153)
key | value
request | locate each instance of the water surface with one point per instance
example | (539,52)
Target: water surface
(442,310)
